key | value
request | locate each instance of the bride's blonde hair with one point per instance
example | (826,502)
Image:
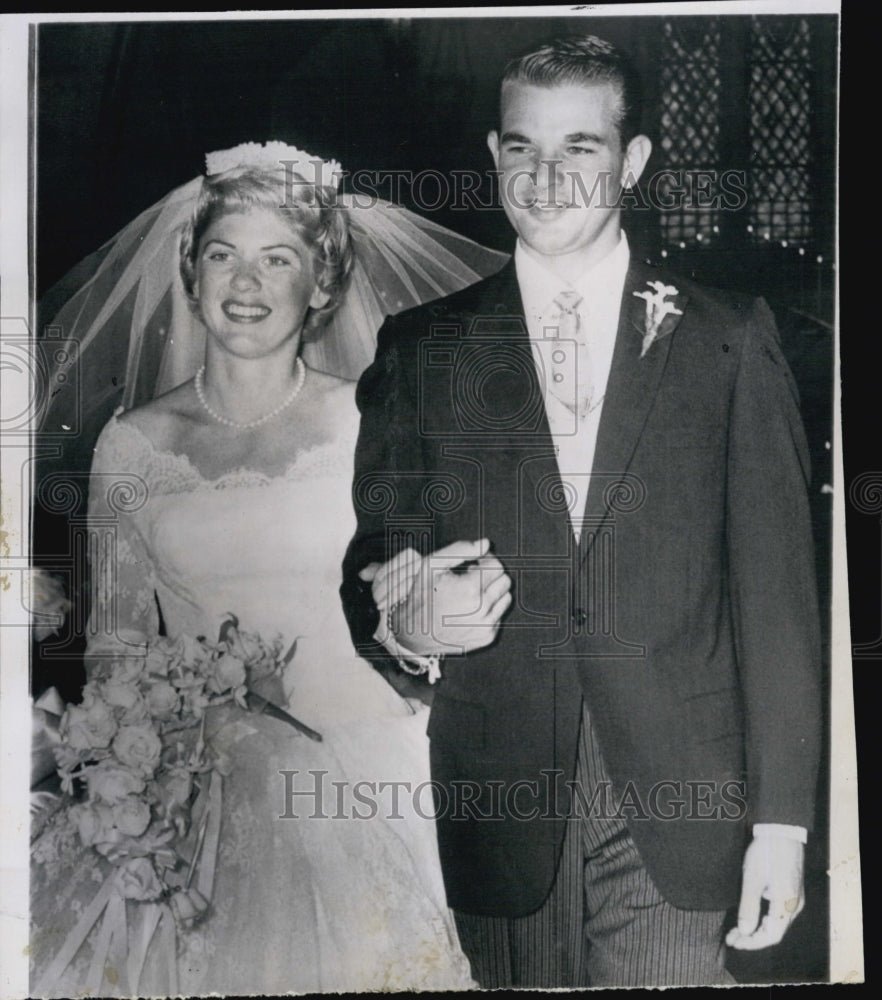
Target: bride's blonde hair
(310,211)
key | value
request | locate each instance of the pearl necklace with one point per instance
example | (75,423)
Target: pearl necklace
(200,392)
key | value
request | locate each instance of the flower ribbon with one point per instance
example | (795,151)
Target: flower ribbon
(122,947)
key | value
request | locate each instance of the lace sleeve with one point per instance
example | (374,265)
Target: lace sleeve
(124,614)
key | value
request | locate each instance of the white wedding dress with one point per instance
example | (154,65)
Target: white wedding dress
(348,895)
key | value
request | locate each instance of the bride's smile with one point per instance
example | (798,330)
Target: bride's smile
(255,282)
(238,312)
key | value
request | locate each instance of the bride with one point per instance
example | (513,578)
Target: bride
(326,876)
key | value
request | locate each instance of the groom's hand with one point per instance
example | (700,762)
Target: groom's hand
(772,870)
(391,581)
(455,597)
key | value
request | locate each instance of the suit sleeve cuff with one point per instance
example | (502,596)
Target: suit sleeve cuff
(781,830)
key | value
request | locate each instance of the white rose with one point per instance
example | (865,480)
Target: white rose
(229,673)
(131,816)
(88,726)
(127,669)
(162,700)
(112,783)
(120,694)
(94,822)
(138,747)
(137,879)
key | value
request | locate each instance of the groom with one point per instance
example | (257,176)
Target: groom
(625,733)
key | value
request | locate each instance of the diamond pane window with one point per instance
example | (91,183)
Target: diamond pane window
(690,126)
(780,129)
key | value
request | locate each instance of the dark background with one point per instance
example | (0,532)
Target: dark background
(125,112)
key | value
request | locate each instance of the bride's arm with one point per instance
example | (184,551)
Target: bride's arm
(124,615)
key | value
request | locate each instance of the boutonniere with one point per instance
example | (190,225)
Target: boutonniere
(657,308)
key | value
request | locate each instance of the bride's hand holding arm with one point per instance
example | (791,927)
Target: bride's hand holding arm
(450,602)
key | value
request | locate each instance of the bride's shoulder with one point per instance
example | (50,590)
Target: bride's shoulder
(332,385)
(139,437)
(161,420)
(335,397)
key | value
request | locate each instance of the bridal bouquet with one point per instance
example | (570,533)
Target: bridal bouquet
(135,749)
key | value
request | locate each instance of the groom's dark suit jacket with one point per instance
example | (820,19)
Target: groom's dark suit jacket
(686,619)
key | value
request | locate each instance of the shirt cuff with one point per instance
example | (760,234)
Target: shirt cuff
(781,830)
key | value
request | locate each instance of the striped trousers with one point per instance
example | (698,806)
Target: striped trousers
(604,922)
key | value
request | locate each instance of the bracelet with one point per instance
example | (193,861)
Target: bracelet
(429,664)
(415,670)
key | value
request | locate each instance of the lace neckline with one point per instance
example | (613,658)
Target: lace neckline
(178,468)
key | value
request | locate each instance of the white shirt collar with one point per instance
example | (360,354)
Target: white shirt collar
(538,284)
(601,288)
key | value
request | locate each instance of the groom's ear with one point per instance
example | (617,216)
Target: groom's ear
(493,146)
(636,155)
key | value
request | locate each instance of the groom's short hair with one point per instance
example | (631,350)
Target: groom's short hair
(583,59)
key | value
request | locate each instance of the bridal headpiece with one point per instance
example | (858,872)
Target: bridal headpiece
(276,155)
(136,337)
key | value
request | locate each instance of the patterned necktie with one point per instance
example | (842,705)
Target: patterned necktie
(568,364)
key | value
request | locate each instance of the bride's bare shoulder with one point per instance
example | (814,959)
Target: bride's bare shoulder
(333,406)
(162,419)
(335,392)
(331,384)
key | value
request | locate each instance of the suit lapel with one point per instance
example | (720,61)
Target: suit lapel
(499,312)
(630,393)
(500,296)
